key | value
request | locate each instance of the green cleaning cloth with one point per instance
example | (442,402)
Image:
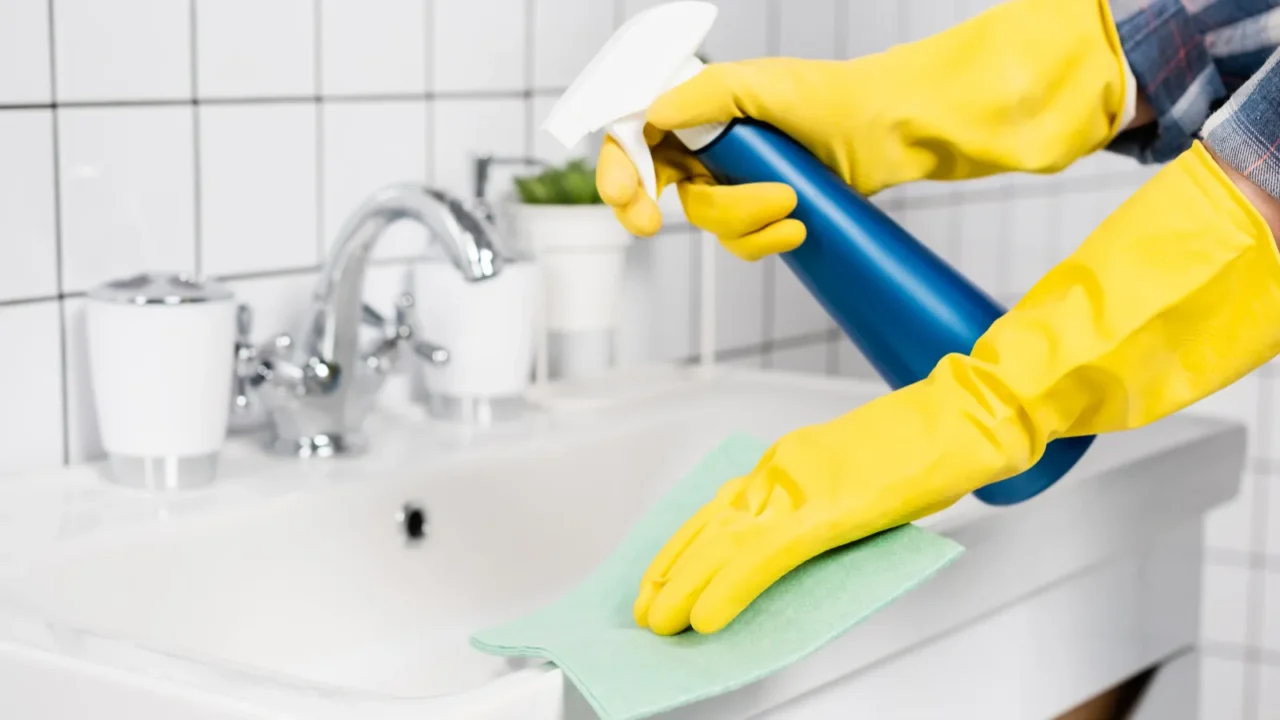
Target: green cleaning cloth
(626,672)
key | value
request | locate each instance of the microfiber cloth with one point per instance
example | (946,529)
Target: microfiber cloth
(627,672)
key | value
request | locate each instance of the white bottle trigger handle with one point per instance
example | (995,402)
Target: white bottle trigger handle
(651,53)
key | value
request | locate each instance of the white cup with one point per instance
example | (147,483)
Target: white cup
(161,358)
(488,329)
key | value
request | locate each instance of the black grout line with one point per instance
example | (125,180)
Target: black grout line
(35,300)
(530,73)
(430,113)
(59,282)
(1256,602)
(695,295)
(291,99)
(196,202)
(317,60)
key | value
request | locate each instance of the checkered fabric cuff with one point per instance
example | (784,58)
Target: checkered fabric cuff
(1245,133)
(1175,73)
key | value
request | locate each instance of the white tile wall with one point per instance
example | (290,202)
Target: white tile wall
(257,188)
(234,137)
(24,43)
(28,253)
(479,45)
(31,432)
(127,185)
(273,56)
(122,50)
(371,48)
(368,145)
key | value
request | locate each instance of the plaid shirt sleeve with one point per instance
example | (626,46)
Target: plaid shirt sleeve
(1189,57)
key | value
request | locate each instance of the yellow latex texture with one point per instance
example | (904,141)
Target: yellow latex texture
(1175,296)
(1030,85)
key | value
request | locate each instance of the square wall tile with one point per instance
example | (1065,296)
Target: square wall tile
(1230,525)
(795,311)
(1032,229)
(480,45)
(368,146)
(1270,612)
(922,19)
(1268,692)
(1238,402)
(123,49)
(850,362)
(31,384)
(935,226)
(966,9)
(739,301)
(982,245)
(656,317)
(566,35)
(631,7)
(1224,602)
(277,302)
(24,51)
(810,358)
(257,187)
(369,48)
(28,235)
(1222,689)
(873,26)
(548,148)
(464,128)
(741,31)
(126,177)
(247,48)
(1267,443)
(808,29)
(84,442)
(1080,213)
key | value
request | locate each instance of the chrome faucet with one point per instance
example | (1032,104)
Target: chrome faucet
(319,384)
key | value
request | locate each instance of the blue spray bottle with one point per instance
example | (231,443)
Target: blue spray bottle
(902,306)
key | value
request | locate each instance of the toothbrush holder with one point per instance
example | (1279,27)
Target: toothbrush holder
(161,360)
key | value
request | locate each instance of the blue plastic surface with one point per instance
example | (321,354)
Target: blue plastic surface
(902,305)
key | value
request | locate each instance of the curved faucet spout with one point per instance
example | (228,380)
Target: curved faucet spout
(329,335)
(469,243)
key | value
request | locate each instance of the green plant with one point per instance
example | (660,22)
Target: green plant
(572,184)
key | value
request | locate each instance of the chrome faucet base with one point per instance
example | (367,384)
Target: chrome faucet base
(319,446)
(324,376)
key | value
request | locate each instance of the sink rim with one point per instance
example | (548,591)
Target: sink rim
(274,690)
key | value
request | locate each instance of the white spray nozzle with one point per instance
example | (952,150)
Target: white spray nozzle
(651,53)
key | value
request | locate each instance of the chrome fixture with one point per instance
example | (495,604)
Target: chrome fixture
(480,168)
(247,413)
(320,383)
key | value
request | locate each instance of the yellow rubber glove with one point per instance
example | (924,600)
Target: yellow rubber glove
(1173,297)
(1030,85)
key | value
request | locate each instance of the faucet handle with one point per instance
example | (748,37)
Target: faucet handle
(385,357)
(247,413)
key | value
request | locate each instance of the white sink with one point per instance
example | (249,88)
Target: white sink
(290,589)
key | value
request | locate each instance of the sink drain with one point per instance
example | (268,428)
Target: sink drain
(413,522)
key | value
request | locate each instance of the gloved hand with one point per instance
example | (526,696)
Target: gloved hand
(1173,297)
(1030,85)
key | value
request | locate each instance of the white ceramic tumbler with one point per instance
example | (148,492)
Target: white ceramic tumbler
(161,358)
(488,329)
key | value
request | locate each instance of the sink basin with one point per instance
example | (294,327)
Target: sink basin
(299,583)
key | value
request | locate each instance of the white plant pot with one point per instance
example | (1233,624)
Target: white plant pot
(582,250)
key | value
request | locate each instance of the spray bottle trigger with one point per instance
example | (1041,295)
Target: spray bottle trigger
(628,132)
